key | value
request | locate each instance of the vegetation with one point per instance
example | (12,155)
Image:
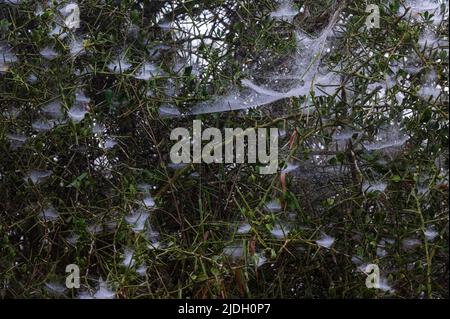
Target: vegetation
(86,178)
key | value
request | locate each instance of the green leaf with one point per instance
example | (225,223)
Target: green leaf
(77,181)
(109,97)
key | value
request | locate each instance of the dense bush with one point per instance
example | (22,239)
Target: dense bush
(85,174)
